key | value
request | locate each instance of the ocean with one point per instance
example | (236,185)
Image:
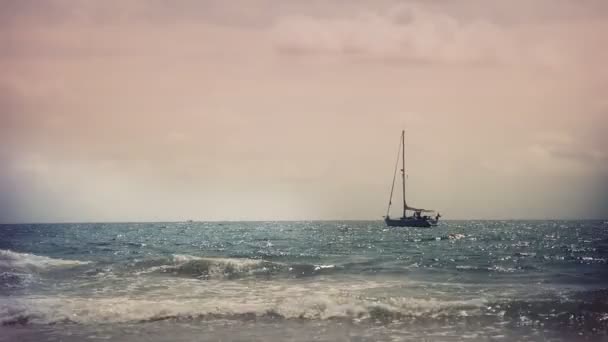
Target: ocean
(304,281)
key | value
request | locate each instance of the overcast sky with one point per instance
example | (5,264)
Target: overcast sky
(264,110)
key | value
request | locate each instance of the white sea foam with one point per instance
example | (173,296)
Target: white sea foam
(31,262)
(187,299)
(204,267)
(320,267)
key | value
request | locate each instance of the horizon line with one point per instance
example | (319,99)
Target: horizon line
(293,220)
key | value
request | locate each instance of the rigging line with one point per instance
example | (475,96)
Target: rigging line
(403,170)
(390,200)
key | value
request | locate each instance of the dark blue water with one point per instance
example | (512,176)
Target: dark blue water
(301,281)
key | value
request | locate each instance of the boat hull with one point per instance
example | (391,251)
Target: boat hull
(410,222)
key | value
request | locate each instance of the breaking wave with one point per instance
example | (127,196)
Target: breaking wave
(18,270)
(590,315)
(225,268)
(24,262)
(318,307)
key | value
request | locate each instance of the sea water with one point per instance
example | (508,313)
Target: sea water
(305,281)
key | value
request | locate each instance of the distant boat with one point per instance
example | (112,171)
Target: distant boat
(416,219)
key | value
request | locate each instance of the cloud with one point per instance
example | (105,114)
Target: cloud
(410,34)
(563,147)
(592,158)
(414,33)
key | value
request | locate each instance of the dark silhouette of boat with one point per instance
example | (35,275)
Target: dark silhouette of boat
(417,219)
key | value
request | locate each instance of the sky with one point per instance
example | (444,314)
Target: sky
(155,110)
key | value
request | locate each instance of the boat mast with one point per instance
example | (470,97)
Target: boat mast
(403,169)
(390,199)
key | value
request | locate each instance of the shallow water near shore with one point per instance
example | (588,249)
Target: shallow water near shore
(302,281)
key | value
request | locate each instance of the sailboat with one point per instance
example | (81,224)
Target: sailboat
(417,219)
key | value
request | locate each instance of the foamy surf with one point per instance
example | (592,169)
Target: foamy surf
(209,268)
(310,310)
(10,260)
(183,265)
(276,302)
(247,301)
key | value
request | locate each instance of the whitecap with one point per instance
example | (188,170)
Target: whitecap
(320,267)
(186,299)
(32,262)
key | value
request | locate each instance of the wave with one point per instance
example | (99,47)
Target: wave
(590,315)
(225,268)
(12,261)
(47,310)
